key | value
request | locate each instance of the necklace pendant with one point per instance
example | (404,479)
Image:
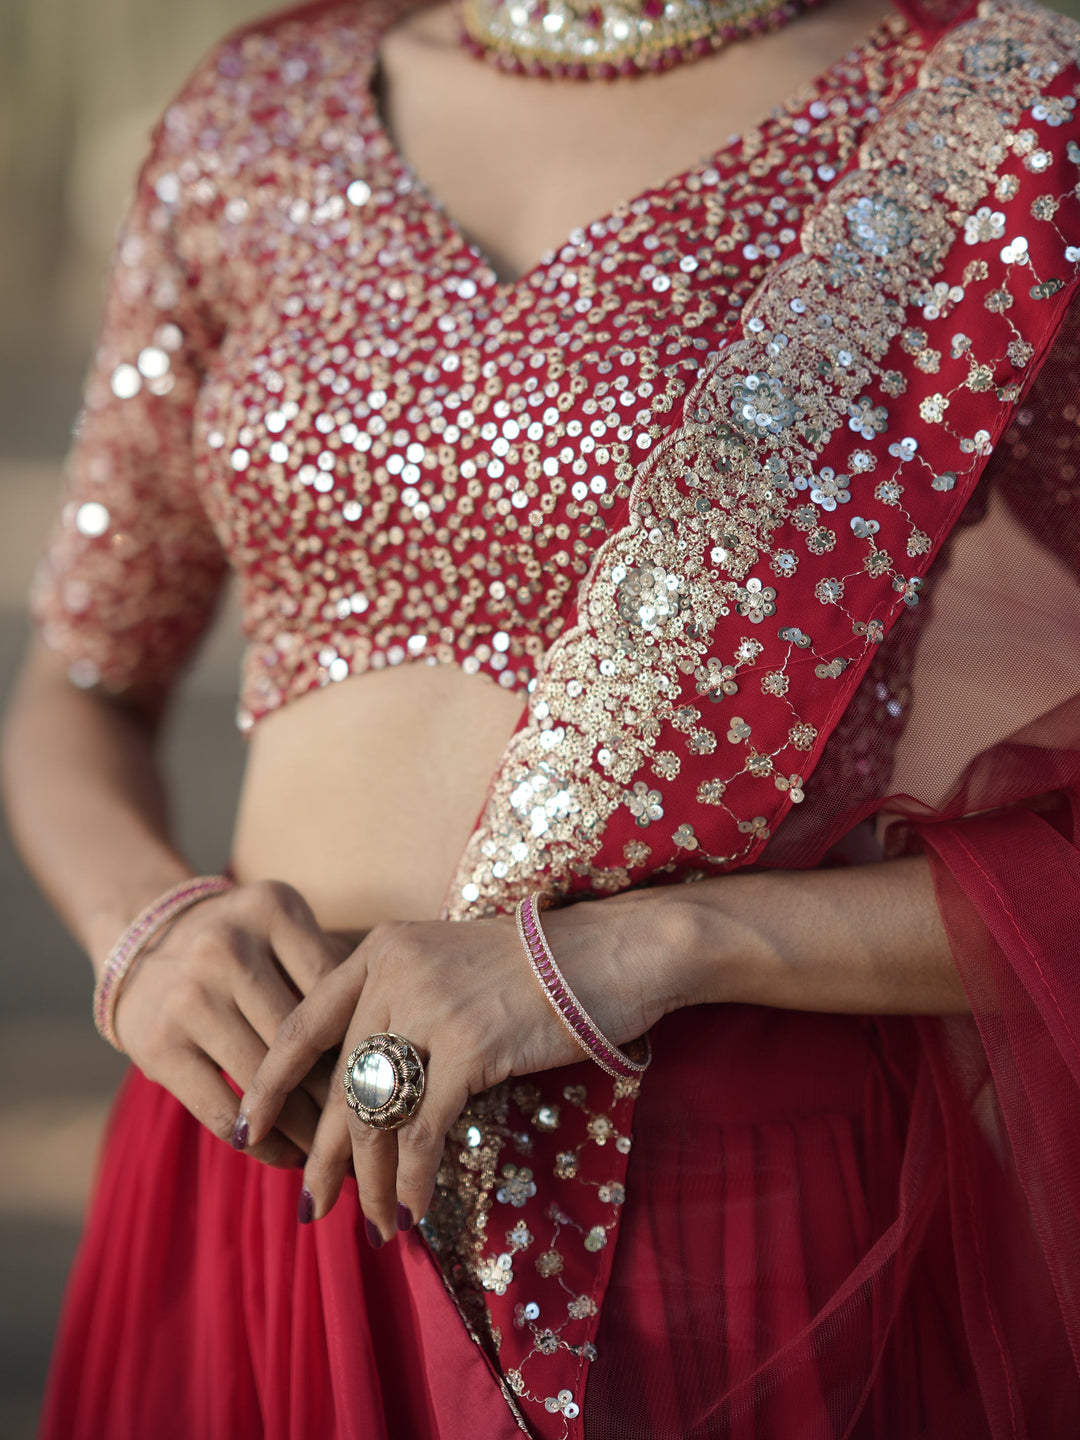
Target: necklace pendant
(606,39)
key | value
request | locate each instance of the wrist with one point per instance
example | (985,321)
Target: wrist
(688,946)
(141,933)
(730,957)
(102,929)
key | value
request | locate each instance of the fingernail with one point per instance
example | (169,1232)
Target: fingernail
(305,1207)
(374,1238)
(239,1137)
(404,1218)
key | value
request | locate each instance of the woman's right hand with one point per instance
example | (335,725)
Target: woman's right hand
(206,998)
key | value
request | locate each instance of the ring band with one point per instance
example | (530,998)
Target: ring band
(384,1081)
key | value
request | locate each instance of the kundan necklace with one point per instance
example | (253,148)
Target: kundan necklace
(602,39)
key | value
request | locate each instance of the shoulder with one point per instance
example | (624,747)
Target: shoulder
(325,35)
(262,82)
(1008,64)
(1001,35)
(250,133)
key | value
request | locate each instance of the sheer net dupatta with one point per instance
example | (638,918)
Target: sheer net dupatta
(1008,886)
(986,780)
(1004,853)
(1007,879)
(1006,869)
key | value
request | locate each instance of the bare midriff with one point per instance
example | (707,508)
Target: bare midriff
(363,795)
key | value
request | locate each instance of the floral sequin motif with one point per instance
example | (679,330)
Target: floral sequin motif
(517,1187)
(878,225)
(646,597)
(761,405)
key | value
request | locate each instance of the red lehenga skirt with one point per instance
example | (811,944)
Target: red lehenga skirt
(769,1161)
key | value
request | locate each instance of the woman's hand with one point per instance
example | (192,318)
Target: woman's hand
(465,996)
(209,995)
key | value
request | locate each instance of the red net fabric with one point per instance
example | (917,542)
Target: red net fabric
(899,1252)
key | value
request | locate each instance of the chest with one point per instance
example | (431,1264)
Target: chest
(405,456)
(521,163)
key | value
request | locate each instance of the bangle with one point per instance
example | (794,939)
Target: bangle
(562,999)
(135,939)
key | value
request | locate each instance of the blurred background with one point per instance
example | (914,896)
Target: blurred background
(81,83)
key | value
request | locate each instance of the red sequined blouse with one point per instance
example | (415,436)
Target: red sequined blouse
(307,373)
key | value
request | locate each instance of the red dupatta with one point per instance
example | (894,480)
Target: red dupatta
(771,540)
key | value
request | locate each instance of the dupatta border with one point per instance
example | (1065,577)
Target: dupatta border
(773,537)
(851,352)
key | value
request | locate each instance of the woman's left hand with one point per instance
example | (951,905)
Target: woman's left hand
(465,996)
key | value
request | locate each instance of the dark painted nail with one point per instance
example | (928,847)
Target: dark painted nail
(305,1207)
(404,1218)
(374,1238)
(240,1133)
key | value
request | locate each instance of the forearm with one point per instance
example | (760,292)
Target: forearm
(85,804)
(865,940)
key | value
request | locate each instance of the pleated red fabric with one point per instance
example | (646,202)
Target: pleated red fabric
(199,1308)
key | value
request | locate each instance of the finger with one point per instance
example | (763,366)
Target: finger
(263,996)
(327,1163)
(264,999)
(319,1078)
(230,1042)
(421,1140)
(304,950)
(374,1154)
(307,1031)
(199,1086)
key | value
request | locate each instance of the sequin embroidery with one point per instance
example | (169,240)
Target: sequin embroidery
(402,459)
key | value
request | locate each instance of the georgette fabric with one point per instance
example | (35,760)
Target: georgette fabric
(763,492)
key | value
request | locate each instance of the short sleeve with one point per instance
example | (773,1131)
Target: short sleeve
(131,575)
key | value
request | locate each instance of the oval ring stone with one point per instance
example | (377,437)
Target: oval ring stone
(373,1080)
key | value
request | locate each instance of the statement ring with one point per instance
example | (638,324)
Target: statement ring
(384,1081)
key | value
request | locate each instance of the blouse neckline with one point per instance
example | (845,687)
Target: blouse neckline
(483,273)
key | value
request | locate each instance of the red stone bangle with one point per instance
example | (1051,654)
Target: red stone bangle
(135,939)
(563,1000)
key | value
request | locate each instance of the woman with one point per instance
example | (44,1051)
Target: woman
(687,491)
